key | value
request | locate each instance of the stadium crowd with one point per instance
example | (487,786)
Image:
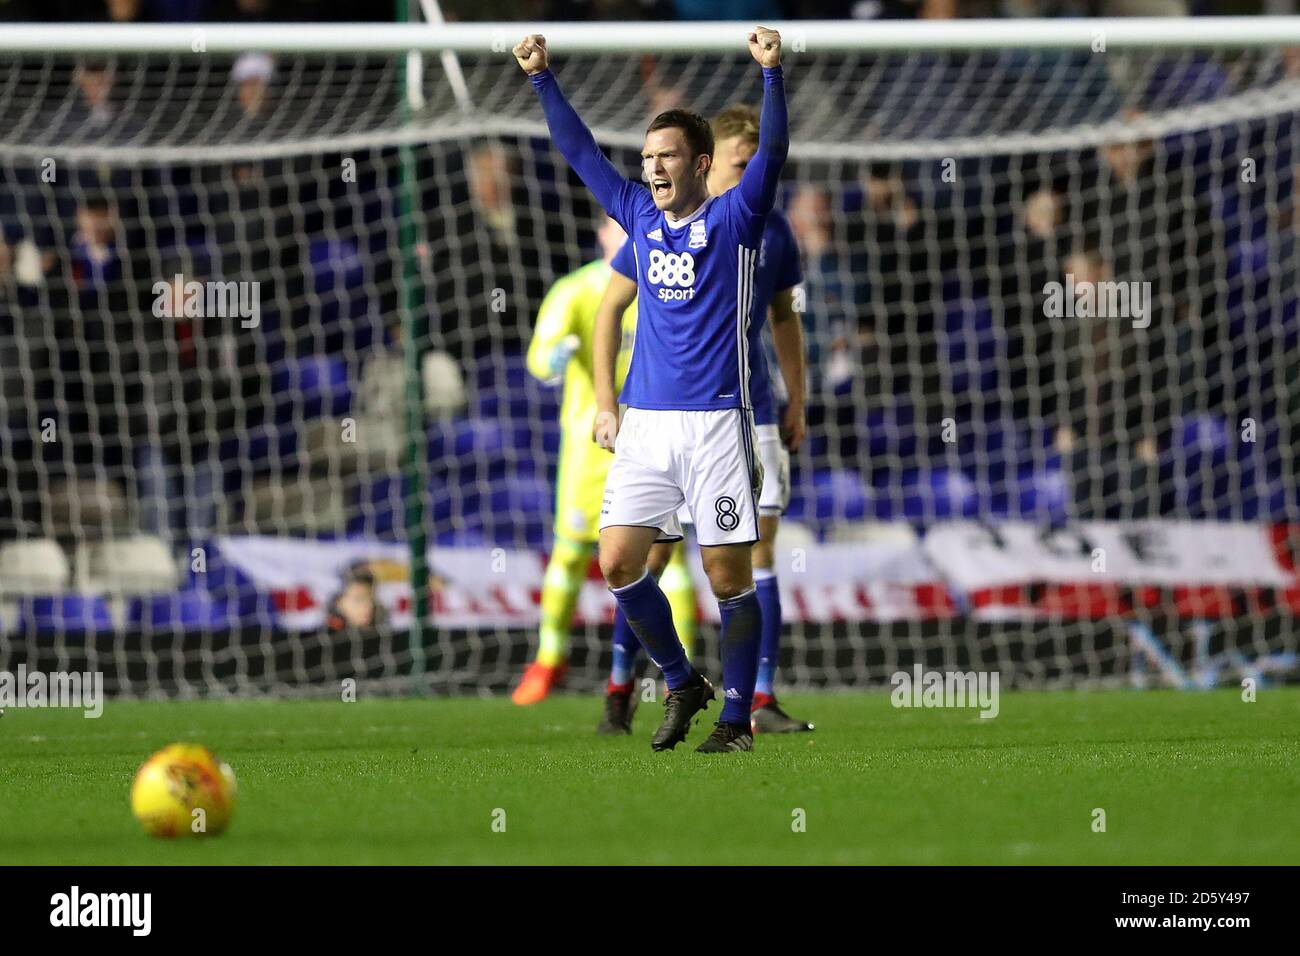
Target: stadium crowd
(925,303)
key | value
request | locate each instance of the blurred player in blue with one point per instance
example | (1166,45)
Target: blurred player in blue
(687,435)
(778,417)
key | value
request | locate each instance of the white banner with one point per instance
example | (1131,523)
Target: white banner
(1081,571)
(972,556)
(495,587)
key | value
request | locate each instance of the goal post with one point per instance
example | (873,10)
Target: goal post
(659,37)
(1051,279)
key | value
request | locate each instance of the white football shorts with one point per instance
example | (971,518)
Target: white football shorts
(775,459)
(705,460)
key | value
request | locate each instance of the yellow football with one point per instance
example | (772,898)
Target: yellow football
(183,790)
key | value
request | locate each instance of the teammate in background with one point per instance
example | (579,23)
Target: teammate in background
(735,140)
(561,351)
(687,435)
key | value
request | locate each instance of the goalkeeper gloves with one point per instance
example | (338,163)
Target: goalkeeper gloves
(560,356)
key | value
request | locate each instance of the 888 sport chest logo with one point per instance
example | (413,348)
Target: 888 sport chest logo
(674,273)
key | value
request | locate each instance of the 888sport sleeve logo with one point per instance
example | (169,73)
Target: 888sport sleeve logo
(674,273)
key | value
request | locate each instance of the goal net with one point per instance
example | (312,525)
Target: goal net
(265,295)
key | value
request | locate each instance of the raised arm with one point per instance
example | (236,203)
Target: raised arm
(763,173)
(612,190)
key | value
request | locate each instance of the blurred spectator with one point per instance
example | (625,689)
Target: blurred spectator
(886,258)
(357,605)
(489,186)
(95,251)
(1143,8)
(6,262)
(522,246)
(125,11)
(756,11)
(1108,433)
(95,86)
(18,11)
(379,405)
(831,329)
(252,75)
(203,388)
(244,11)
(894,235)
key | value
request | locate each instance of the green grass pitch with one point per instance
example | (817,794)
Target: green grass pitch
(1182,778)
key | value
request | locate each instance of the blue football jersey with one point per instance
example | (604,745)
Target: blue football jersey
(695,297)
(696,278)
(778,269)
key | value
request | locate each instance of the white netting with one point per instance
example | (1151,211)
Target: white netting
(936,195)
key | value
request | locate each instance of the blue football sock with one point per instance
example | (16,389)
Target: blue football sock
(651,619)
(626,647)
(769,649)
(740,639)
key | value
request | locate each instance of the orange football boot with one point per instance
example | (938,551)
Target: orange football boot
(537,682)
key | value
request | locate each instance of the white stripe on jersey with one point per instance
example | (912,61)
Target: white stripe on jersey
(744,303)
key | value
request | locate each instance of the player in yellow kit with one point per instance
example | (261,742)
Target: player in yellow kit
(561,351)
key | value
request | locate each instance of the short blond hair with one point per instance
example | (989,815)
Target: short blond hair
(739,119)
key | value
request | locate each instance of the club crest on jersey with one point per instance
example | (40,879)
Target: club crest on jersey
(699,238)
(657,235)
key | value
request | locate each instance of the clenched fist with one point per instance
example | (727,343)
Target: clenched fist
(764,44)
(531,53)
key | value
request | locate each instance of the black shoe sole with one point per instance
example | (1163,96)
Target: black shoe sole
(724,750)
(788,725)
(704,748)
(794,728)
(672,742)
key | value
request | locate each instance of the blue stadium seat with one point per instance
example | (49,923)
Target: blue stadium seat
(501,512)
(971,347)
(1282,502)
(335,263)
(311,386)
(937,494)
(835,494)
(1184,81)
(524,493)
(1204,438)
(261,445)
(1041,493)
(189,610)
(1249,257)
(987,448)
(381,510)
(889,434)
(530,440)
(465,538)
(502,373)
(466,439)
(64,614)
(445,506)
(1197,467)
